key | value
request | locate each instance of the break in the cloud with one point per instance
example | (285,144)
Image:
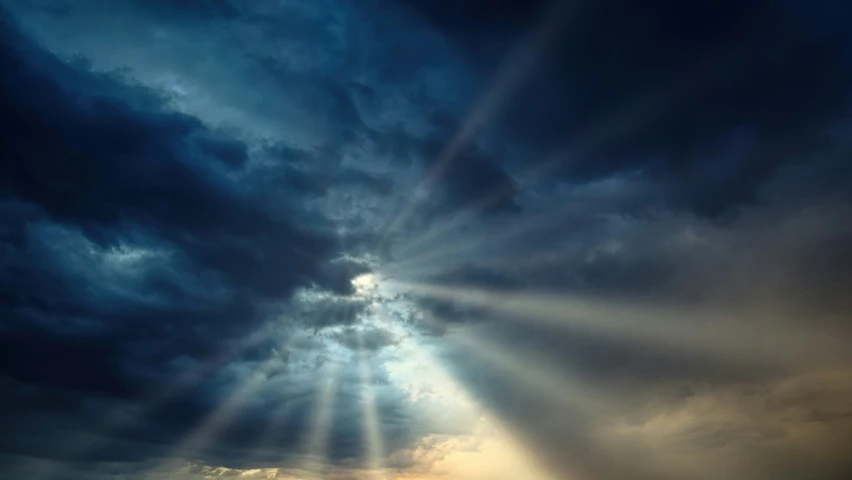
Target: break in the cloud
(410,239)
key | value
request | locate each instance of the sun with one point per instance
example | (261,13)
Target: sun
(365,284)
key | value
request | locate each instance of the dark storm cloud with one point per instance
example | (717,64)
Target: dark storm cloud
(325,312)
(469,18)
(137,241)
(370,340)
(141,167)
(342,119)
(705,100)
(128,247)
(470,177)
(357,178)
(192,8)
(313,174)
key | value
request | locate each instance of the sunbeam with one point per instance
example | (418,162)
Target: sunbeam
(315,450)
(373,441)
(263,450)
(221,418)
(117,418)
(719,335)
(517,65)
(643,109)
(425,240)
(523,462)
(435,258)
(556,385)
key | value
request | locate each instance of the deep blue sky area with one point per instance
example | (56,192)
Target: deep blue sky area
(415,239)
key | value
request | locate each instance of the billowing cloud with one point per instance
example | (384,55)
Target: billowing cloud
(409,239)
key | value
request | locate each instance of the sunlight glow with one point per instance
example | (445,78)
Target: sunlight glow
(534,373)
(721,336)
(365,284)
(315,461)
(514,459)
(375,450)
(436,258)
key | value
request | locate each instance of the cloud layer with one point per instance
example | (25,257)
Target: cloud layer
(318,238)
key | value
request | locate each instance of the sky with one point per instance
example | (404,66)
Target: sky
(425,240)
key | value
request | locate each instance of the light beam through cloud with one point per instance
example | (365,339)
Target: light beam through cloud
(718,335)
(314,462)
(374,444)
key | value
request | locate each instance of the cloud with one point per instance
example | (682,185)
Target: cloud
(370,340)
(134,242)
(193,187)
(318,311)
(707,101)
(769,277)
(443,310)
(752,425)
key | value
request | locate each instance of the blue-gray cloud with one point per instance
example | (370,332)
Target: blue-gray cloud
(177,176)
(133,240)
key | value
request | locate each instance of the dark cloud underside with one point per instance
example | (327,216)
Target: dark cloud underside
(233,232)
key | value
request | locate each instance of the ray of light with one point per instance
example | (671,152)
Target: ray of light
(432,259)
(442,232)
(375,450)
(462,397)
(264,448)
(422,357)
(224,414)
(115,419)
(191,377)
(315,457)
(532,371)
(717,335)
(510,74)
(212,426)
(620,123)
(643,109)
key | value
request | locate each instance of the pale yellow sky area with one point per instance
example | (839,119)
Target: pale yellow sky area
(492,456)
(490,453)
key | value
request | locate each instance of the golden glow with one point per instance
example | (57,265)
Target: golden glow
(488,453)
(497,454)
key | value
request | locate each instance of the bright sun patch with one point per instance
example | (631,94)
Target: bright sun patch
(365,284)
